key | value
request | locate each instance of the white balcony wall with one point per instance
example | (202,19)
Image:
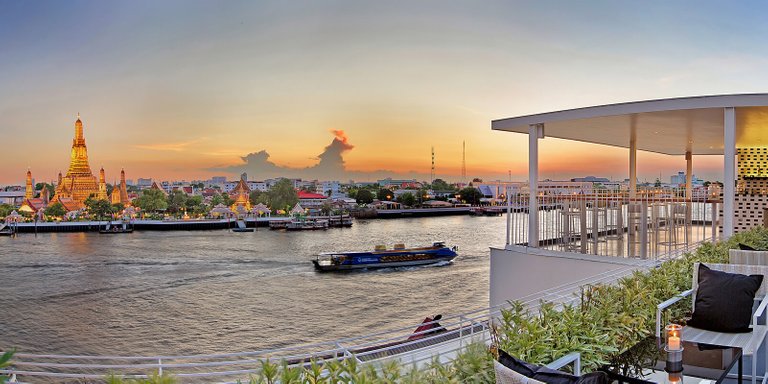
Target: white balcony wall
(517,272)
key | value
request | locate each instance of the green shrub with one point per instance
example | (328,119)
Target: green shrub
(5,361)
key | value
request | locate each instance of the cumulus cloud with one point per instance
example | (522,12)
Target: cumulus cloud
(330,165)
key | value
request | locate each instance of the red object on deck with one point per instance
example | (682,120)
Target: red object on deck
(425,326)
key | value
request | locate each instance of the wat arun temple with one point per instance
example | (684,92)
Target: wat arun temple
(79,183)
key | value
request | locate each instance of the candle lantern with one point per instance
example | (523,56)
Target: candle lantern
(674,336)
(674,348)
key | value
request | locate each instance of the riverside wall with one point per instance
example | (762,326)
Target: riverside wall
(214,224)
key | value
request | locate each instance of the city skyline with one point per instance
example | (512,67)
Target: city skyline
(348,90)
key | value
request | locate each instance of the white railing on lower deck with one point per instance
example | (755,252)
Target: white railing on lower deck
(463,329)
(656,222)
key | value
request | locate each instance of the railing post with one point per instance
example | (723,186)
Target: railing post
(509,216)
(715,217)
(583,225)
(160,367)
(644,229)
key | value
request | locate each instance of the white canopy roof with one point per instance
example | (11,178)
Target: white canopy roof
(297,210)
(221,208)
(13,216)
(668,126)
(260,208)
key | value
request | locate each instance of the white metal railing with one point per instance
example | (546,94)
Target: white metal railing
(464,328)
(655,222)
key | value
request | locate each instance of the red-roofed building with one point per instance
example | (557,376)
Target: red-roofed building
(309,195)
(32,205)
(312,200)
(209,192)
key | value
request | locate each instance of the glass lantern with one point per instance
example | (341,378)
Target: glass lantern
(673,338)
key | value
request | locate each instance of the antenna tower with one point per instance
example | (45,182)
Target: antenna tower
(432,174)
(463,161)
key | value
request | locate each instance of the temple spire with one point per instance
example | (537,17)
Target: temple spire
(30,191)
(102,185)
(79,138)
(79,182)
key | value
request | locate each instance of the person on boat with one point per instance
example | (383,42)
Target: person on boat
(429,326)
(435,326)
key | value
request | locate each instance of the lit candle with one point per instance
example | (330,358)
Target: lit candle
(673,343)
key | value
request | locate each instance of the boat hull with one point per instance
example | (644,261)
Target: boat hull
(120,231)
(383,259)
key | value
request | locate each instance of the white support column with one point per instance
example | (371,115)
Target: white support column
(688,194)
(729,171)
(631,230)
(534,132)
(688,175)
(633,160)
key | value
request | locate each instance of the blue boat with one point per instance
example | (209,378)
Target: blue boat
(381,257)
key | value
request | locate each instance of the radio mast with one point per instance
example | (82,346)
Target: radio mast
(432,174)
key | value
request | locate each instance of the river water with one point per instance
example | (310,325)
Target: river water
(198,292)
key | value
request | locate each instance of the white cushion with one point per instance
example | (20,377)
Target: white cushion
(505,375)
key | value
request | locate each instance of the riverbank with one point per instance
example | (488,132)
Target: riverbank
(148,225)
(212,224)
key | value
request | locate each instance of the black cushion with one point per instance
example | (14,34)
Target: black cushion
(547,375)
(745,247)
(724,300)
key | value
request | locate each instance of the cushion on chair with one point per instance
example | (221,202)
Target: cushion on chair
(546,375)
(724,300)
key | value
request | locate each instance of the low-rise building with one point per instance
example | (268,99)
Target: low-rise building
(14,198)
(312,200)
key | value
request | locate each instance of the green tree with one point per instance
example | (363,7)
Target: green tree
(98,208)
(216,199)
(254,196)
(177,201)
(196,206)
(441,185)
(657,183)
(364,196)
(110,188)
(226,199)
(50,187)
(56,210)
(384,194)
(407,199)
(117,207)
(5,209)
(470,195)
(282,195)
(151,200)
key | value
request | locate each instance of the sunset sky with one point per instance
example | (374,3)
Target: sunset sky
(352,89)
